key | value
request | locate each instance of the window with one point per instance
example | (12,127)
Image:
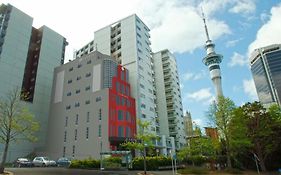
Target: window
(99,130)
(99,114)
(79,65)
(143,115)
(89,61)
(63,152)
(120,131)
(66,121)
(87,88)
(75,134)
(68,94)
(128,132)
(76,120)
(64,138)
(88,74)
(78,78)
(77,91)
(77,104)
(87,132)
(69,81)
(138,35)
(98,99)
(88,117)
(128,116)
(70,69)
(143,106)
(73,150)
(141,85)
(120,115)
(87,102)
(68,107)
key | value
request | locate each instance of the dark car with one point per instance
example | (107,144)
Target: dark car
(22,162)
(63,162)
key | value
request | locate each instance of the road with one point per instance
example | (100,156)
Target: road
(65,171)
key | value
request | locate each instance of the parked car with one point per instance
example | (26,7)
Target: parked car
(22,162)
(63,162)
(43,161)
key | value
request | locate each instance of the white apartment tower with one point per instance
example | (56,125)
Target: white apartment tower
(168,97)
(128,41)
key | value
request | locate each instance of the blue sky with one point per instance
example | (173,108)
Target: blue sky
(235,26)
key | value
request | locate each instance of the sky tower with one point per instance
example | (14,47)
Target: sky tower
(213,60)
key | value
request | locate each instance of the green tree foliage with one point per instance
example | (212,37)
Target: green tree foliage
(257,130)
(220,115)
(143,139)
(16,122)
(200,150)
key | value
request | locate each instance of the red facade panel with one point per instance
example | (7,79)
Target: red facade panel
(122,109)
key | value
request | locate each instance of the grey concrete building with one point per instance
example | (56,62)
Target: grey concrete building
(27,60)
(91,110)
(266,70)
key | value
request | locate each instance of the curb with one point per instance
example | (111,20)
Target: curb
(7,173)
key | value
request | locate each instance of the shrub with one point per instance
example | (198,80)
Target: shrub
(87,163)
(152,163)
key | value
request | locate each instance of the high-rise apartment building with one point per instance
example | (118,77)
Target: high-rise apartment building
(168,97)
(27,60)
(266,69)
(128,41)
(91,108)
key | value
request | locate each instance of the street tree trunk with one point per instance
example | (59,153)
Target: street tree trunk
(4,157)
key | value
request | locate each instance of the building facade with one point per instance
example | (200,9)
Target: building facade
(266,70)
(28,57)
(92,110)
(188,124)
(128,41)
(168,97)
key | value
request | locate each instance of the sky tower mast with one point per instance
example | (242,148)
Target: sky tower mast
(213,60)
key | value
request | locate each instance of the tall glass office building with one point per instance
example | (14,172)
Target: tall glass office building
(266,69)
(28,57)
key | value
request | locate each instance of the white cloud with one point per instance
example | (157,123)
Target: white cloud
(200,95)
(250,89)
(232,43)
(238,60)
(187,76)
(264,17)
(194,76)
(177,25)
(269,33)
(243,6)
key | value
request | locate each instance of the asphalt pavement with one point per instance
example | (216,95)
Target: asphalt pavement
(65,171)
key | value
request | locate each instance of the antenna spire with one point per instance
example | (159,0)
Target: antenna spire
(205,25)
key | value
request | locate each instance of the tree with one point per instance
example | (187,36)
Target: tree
(257,129)
(199,150)
(142,140)
(220,115)
(16,122)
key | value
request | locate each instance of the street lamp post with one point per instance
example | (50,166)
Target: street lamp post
(144,158)
(101,168)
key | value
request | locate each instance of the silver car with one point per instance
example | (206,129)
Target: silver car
(43,162)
